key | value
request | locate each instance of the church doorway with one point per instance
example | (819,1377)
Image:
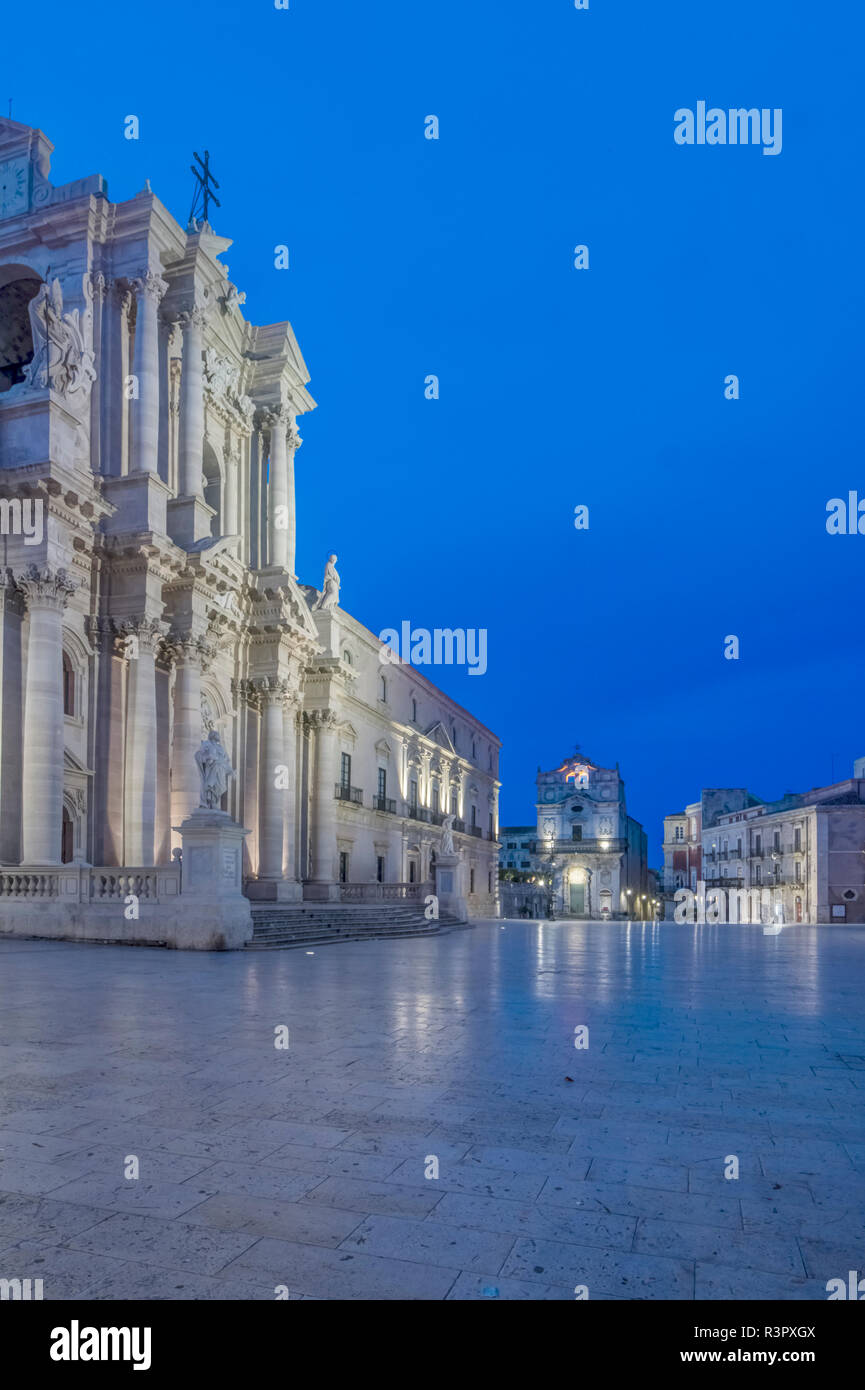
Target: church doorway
(578,898)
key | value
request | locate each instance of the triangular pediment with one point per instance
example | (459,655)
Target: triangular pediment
(439,734)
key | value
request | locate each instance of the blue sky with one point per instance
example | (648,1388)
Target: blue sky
(558,387)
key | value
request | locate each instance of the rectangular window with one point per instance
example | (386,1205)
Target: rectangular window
(454,803)
(474,815)
(489,883)
(576,832)
(412,794)
(345,770)
(758,844)
(382,781)
(471,880)
(343,866)
(411,871)
(797,838)
(379,868)
(492,830)
(435,796)
(758,874)
(776,841)
(798,872)
(739,848)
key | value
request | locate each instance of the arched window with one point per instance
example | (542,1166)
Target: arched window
(68,687)
(414,711)
(67,838)
(382,688)
(346,656)
(18,285)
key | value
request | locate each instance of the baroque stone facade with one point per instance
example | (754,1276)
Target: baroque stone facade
(148,435)
(590,851)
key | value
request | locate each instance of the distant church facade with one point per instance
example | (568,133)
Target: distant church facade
(589,851)
(148,436)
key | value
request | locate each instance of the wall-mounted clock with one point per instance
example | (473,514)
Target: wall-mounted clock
(14,187)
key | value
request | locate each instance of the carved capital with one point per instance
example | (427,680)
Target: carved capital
(271,690)
(140,636)
(98,284)
(322,720)
(273,417)
(150,286)
(194,318)
(45,588)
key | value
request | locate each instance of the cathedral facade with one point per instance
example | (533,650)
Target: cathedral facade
(590,852)
(148,435)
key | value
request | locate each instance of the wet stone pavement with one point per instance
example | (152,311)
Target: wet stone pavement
(311,1169)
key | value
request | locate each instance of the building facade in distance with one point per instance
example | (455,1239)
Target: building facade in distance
(587,844)
(148,434)
(798,859)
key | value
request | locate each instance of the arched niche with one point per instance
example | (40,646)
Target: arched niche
(19,284)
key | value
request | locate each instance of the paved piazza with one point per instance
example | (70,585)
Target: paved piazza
(305,1168)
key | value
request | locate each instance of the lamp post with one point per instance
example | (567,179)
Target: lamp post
(628,892)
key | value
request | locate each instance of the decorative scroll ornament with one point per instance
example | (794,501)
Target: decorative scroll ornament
(61,358)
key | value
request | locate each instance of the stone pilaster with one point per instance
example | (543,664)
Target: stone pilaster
(140,639)
(46,593)
(323,883)
(293,442)
(191,453)
(149,289)
(277,422)
(274,800)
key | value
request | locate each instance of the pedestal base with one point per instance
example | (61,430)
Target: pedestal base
(321,892)
(215,915)
(450,886)
(279,890)
(189,520)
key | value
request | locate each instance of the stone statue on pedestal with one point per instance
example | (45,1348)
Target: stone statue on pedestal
(214,769)
(329,596)
(447,845)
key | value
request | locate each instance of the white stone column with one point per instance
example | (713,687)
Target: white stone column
(188,731)
(149,289)
(139,809)
(274,795)
(277,489)
(46,592)
(191,460)
(231,518)
(293,443)
(324,803)
(289,734)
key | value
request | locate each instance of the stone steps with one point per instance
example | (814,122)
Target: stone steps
(281,928)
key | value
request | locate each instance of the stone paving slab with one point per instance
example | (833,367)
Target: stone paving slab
(310,1168)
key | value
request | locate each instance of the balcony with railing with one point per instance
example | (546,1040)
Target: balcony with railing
(416,812)
(578,846)
(384,803)
(477,831)
(346,793)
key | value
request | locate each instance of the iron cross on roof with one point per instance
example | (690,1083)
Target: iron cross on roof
(204,195)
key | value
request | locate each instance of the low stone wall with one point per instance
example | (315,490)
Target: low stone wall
(133,907)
